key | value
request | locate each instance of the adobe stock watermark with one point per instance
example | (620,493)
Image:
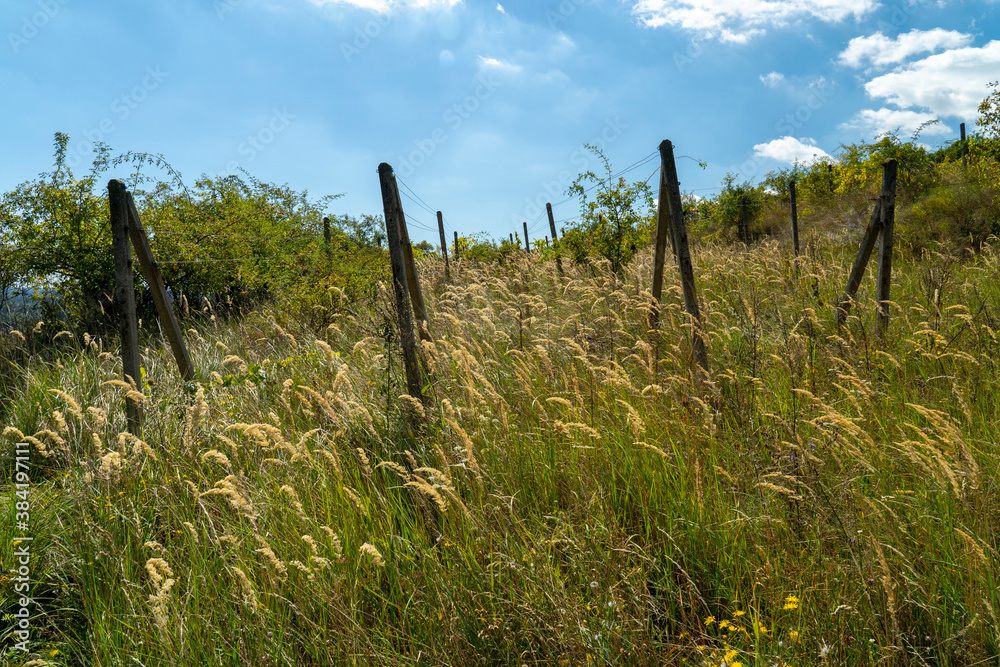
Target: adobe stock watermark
(21,542)
(258,142)
(901,14)
(453,117)
(224,7)
(364,36)
(581,159)
(35,23)
(121,108)
(691,53)
(563,12)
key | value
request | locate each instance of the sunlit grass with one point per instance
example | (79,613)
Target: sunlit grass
(574,493)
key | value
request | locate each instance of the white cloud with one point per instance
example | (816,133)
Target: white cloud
(388,5)
(493,63)
(739,20)
(791,150)
(881,51)
(501,9)
(952,83)
(773,79)
(880,121)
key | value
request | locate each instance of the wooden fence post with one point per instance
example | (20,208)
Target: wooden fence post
(151,272)
(860,263)
(527,247)
(888,217)
(512,239)
(555,237)
(744,222)
(327,241)
(456,245)
(663,228)
(552,222)
(795,223)
(412,281)
(124,298)
(444,246)
(965,148)
(404,319)
(679,233)
(872,234)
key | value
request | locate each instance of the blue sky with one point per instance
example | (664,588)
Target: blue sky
(482,108)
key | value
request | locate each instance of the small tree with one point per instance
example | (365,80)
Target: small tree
(617,220)
(55,228)
(726,208)
(989,112)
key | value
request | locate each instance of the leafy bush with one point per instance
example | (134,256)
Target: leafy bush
(58,239)
(617,221)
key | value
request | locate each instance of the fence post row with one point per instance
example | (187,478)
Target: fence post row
(444,246)
(124,299)
(527,247)
(391,206)
(872,234)
(151,272)
(670,208)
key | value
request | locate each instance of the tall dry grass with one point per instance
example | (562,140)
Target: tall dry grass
(574,492)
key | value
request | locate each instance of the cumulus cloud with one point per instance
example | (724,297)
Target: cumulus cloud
(501,9)
(791,150)
(773,79)
(388,5)
(880,121)
(952,83)
(739,20)
(493,63)
(881,51)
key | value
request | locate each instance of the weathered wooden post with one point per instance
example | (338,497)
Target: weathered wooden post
(527,246)
(456,245)
(555,237)
(151,272)
(795,223)
(327,242)
(872,234)
(412,281)
(679,232)
(124,298)
(512,239)
(663,229)
(444,246)
(888,215)
(404,318)
(965,148)
(744,222)
(860,263)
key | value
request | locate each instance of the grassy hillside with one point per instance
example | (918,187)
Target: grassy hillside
(575,493)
